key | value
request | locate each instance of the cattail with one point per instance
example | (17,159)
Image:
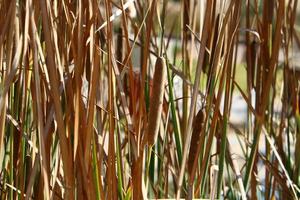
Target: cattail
(156,101)
(198,125)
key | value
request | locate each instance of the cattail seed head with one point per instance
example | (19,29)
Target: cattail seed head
(198,125)
(156,101)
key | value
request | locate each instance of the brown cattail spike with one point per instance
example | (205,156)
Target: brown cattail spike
(198,125)
(156,101)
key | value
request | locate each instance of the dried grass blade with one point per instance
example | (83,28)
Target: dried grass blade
(111,171)
(116,14)
(64,142)
(38,104)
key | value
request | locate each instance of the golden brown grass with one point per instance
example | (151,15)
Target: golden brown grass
(85,85)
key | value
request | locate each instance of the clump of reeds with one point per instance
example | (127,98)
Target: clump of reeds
(78,106)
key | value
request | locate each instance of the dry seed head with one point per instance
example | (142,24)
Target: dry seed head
(156,101)
(198,125)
